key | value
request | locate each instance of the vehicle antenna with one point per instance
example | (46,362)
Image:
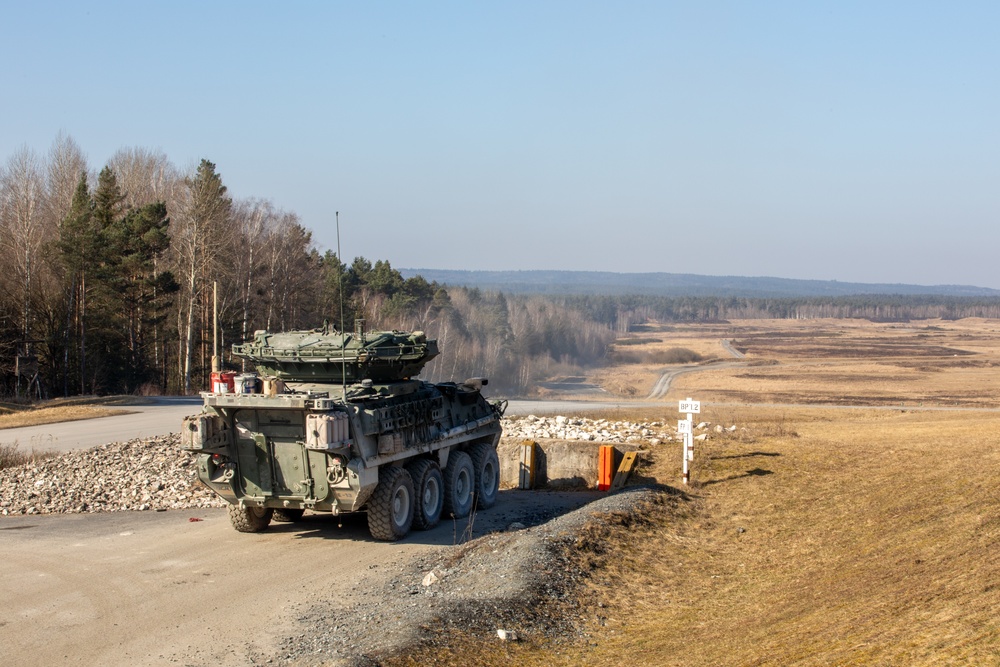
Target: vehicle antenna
(343,333)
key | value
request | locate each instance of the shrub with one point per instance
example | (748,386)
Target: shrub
(12,456)
(674,355)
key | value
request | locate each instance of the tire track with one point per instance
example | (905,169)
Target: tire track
(727,345)
(662,385)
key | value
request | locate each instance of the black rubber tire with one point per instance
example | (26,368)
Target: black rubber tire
(428,483)
(486,463)
(390,509)
(459,485)
(250,519)
(287,515)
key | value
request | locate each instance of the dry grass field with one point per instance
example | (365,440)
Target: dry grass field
(812,535)
(856,362)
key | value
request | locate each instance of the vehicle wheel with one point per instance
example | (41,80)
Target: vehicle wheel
(390,509)
(250,519)
(459,482)
(487,466)
(288,515)
(429,486)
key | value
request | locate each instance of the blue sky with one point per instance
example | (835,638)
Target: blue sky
(856,141)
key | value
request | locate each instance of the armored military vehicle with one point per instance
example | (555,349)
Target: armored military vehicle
(335,422)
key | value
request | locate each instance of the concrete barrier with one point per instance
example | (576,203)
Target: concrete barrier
(559,464)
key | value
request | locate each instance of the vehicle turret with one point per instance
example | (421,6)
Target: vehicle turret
(328,356)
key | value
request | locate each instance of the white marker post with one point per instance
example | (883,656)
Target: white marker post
(684,428)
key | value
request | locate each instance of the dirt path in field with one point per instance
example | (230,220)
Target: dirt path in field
(662,385)
(727,345)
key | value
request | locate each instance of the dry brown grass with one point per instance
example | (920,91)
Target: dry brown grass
(630,381)
(854,538)
(650,350)
(14,415)
(12,455)
(812,536)
(856,362)
(837,362)
(869,539)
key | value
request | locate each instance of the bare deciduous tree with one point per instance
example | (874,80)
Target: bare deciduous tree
(23,225)
(201,235)
(65,164)
(253,218)
(145,176)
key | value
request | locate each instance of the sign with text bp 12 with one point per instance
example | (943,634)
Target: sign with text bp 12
(689,406)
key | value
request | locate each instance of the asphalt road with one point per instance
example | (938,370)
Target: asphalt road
(164,415)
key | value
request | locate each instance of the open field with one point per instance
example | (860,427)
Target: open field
(811,535)
(835,362)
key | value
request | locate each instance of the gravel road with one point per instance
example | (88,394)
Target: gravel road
(182,587)
(88,582)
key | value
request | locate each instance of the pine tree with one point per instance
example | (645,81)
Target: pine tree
(79,242)
(134,242)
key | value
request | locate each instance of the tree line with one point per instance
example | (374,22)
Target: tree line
(108,282)
(110,276)
(620,313)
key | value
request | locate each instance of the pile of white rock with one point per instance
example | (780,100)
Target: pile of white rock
(151,474)
(156,474)
(600,430)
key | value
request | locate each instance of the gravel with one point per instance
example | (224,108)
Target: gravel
(137,475)
(598,430)
(497,582)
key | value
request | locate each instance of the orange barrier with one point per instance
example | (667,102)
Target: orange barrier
(605,467)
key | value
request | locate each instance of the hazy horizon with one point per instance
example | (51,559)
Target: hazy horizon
(410,269)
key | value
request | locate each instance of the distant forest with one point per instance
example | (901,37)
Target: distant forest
(108,288)
(680,285)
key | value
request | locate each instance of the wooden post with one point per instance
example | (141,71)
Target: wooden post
(216,365)
(624,470)
(526,477)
